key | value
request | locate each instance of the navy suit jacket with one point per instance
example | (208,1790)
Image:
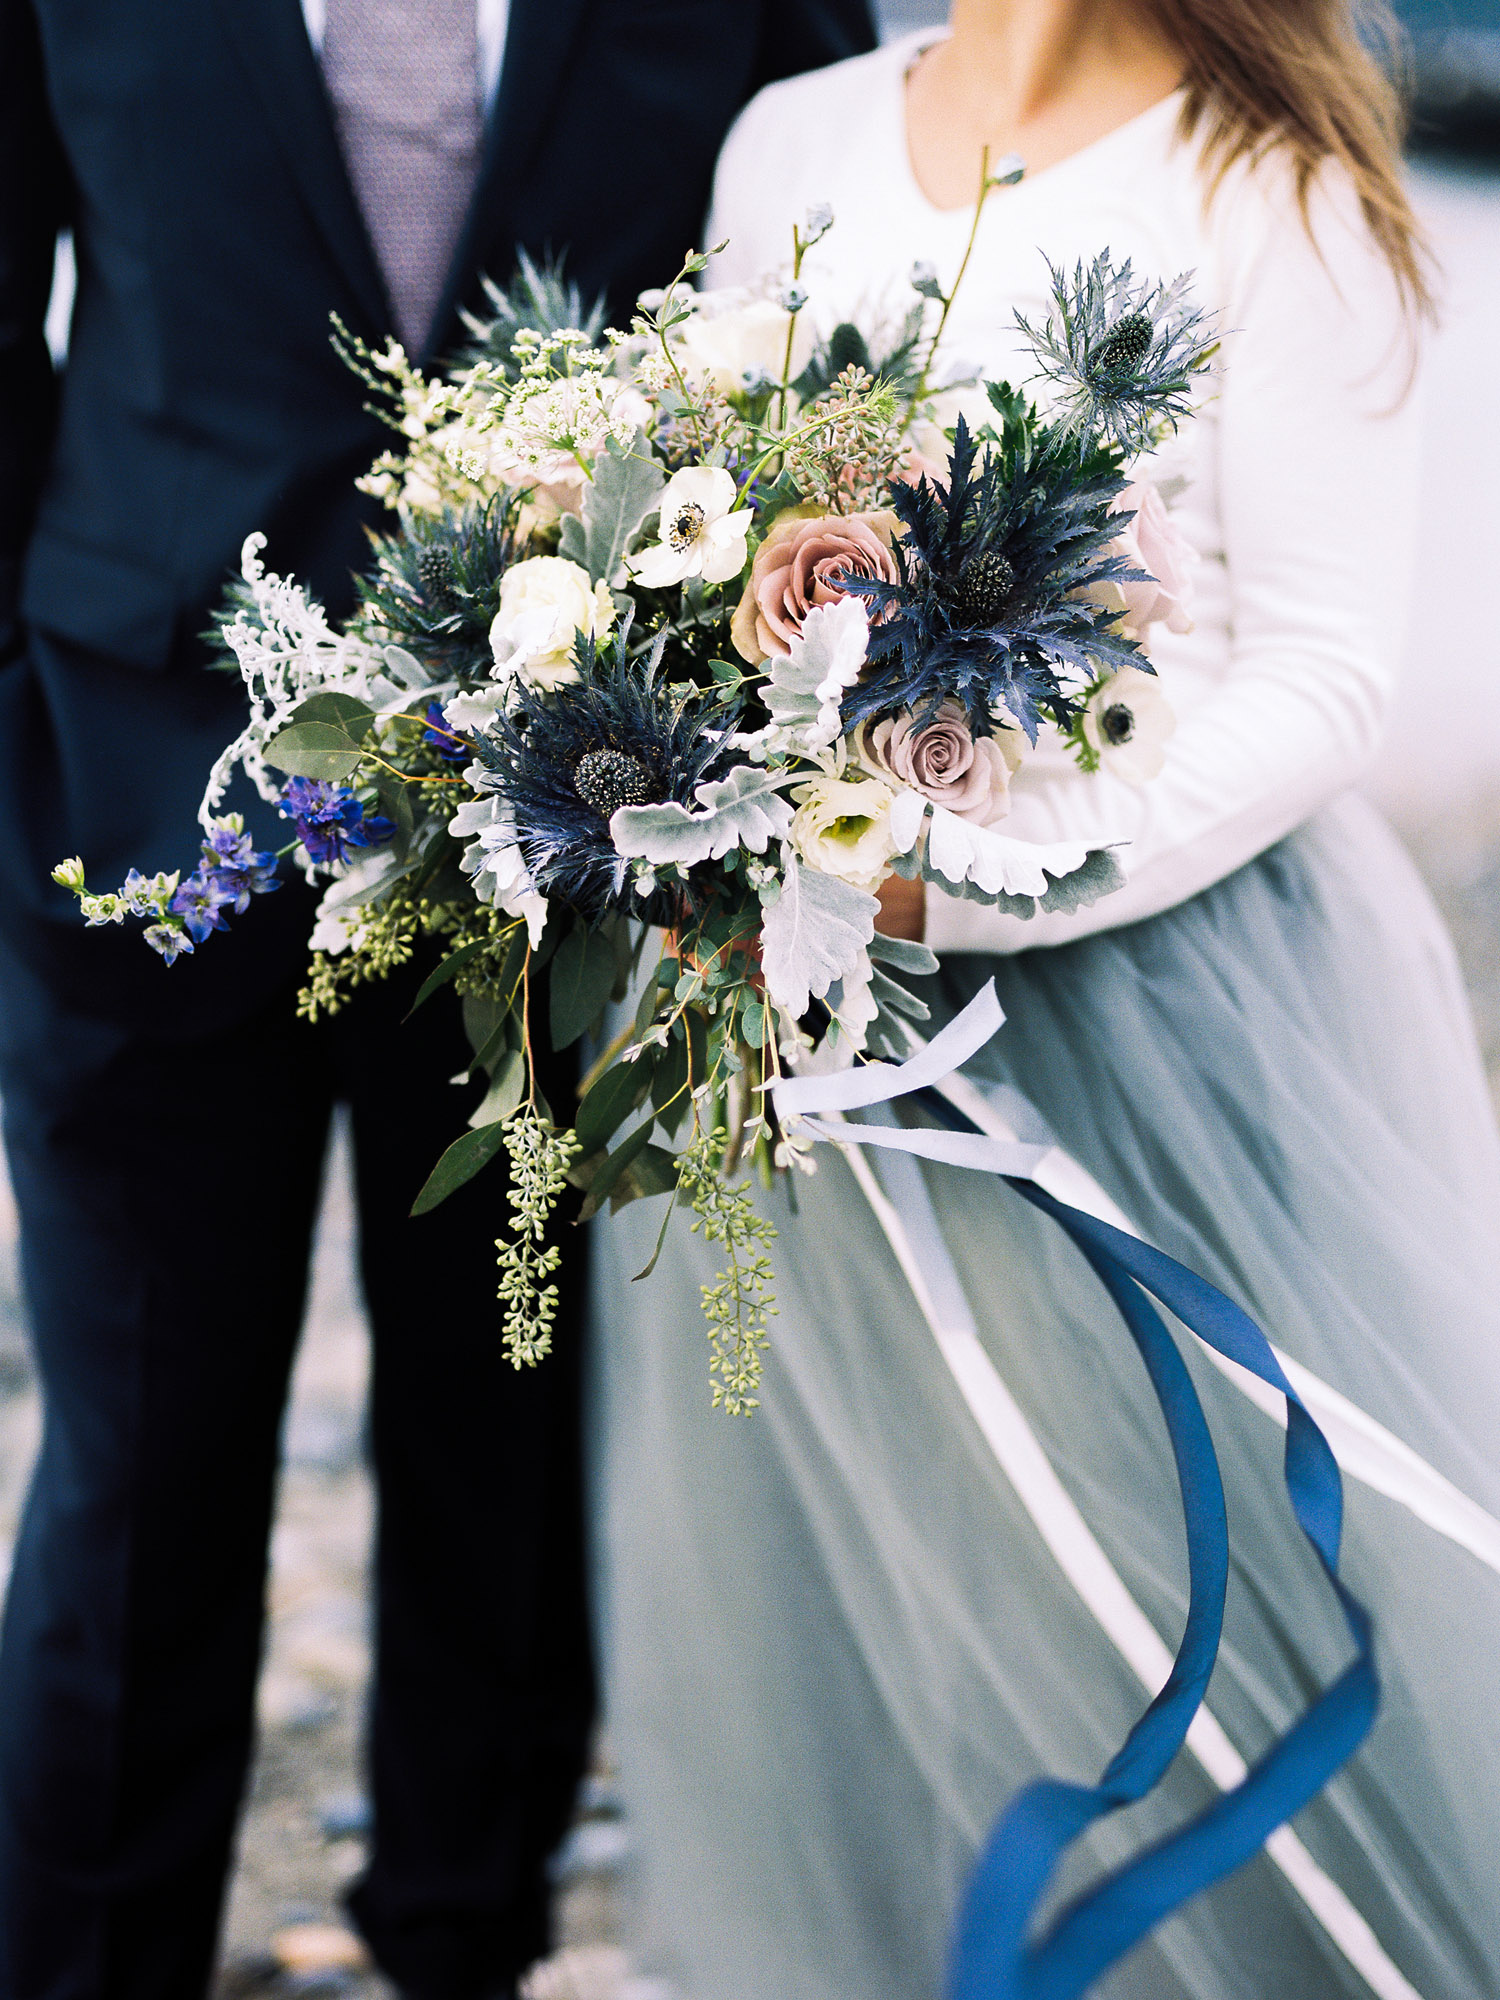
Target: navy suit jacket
(189,146)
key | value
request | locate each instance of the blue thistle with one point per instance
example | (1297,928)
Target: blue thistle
(566,758)
(1120,354)
(990,606)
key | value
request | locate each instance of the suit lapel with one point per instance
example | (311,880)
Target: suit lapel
(270,38)
(540,37)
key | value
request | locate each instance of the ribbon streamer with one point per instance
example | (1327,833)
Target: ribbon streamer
(994,1958)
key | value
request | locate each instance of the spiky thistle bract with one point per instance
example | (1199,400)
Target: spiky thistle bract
(566,758)
(1120,353)
(435,587)
(537,300)
(991,606)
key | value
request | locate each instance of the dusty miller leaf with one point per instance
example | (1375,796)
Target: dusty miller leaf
(626,486)
(744,809)
(815,932)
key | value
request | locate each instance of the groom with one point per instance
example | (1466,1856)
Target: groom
(233,171)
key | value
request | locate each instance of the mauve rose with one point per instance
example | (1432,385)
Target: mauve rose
(945,762)
(1153,542)
(802,563)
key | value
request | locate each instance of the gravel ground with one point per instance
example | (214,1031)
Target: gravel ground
(303,1831)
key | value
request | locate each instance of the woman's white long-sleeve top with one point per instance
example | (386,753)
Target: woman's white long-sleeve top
(1295,483)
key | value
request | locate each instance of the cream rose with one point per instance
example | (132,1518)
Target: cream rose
(545,603)
(1152,542)
(843,827)
(733,344)
(945,762)
(803,562)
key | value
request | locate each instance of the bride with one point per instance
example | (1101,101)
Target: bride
(836,1641)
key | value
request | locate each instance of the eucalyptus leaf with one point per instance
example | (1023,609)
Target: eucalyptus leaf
(313,750)
(450,968)
(583,976)
(604,1181)
(463,1159)
(345,711)
(815,932)
(504,1093)
(654,1171)
(611,1100)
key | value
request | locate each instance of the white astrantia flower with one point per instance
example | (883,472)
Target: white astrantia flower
(842,826)
(702,531)
(545,604)
(1127,723)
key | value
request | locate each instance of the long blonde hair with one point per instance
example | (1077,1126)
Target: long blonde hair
(1315,78)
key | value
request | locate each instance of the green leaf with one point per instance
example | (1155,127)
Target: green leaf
(661,1234)
(653,1171)
(313,750)
(345,711)
(605,1180)
(450,968)
(482,1018)
(583,972)
(460,1163)
(504,1093)
(626,486)
(611,1099)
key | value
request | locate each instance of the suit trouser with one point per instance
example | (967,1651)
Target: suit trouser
(167,1193)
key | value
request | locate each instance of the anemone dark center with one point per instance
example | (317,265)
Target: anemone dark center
(608,779)
(982,588)
(1117,724)
(684,528)
(1125,346)
(435,568)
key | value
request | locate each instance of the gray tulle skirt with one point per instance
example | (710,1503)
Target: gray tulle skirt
(834,1641)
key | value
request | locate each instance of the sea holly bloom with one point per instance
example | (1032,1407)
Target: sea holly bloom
(702,531)
(330,820)
(1126,723)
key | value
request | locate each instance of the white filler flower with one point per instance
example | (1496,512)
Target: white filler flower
(1127,723)
(702,532)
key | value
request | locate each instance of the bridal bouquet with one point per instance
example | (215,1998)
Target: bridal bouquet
(695,634)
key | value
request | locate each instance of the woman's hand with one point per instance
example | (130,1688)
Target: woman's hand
(903,909)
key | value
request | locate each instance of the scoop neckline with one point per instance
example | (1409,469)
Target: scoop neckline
(907,50)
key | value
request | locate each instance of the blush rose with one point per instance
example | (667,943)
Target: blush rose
(802,563)
(946,762)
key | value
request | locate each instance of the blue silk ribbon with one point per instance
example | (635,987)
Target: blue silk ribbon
(995,1956)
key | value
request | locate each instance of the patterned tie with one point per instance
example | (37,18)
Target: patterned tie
(404,79)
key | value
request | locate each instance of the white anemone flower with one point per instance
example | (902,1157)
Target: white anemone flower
(702,531)
(1127,723)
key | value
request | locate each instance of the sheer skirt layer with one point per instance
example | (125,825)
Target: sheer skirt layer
(835,1643)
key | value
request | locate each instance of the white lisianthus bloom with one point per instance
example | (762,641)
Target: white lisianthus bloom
(843,827)
(702,531)
(1126,724)
(545,603)
(733,344)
